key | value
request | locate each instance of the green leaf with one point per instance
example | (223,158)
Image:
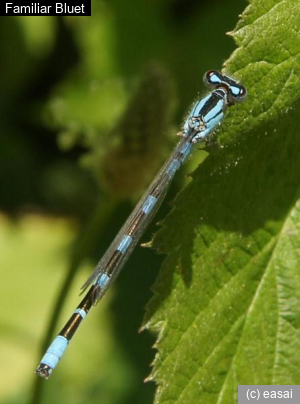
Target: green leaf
(135,146)
(227,302)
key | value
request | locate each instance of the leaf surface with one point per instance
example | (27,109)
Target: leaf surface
(226,305)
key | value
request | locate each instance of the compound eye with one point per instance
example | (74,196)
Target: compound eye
(212,79)
(237,93)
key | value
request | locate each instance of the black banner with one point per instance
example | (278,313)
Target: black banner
(15,8)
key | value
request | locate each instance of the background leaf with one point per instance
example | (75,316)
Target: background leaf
(226,303)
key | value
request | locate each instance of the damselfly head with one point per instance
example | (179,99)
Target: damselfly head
(235,91)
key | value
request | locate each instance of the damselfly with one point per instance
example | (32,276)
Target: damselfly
(205,115)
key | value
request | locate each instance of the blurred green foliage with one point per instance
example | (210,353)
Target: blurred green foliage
(69,86)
